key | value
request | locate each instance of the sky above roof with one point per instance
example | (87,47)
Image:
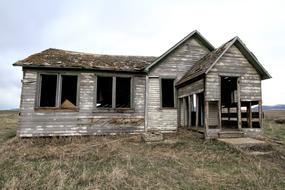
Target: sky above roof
(133,27)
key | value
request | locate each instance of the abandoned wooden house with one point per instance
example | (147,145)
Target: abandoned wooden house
(216,92)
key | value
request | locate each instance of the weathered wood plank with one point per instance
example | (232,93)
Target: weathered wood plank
(233,63)
(195,87)
(238,105)
(197,111)
(53,123)
(189,111)
(206,116)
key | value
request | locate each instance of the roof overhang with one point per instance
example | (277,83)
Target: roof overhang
(51,68)
(248,55)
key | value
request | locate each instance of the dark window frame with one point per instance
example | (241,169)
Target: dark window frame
(58,90)
(96,93)
(114,83)
(174,93)
(130,93)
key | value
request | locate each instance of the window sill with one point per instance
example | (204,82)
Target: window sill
(114,110)
(174,108)
(52,109)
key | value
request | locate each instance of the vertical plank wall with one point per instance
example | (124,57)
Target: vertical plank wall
(233,63)
(174,65)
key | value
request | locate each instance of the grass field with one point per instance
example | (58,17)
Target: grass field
(122,162)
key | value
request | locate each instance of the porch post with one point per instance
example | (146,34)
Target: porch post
(184,112)
(260,113)
(189,110)
(238,105)
(197,111)
(179,112)
(249,115)
(206,116)
(219,115)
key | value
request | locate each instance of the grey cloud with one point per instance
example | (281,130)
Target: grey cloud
(138,28)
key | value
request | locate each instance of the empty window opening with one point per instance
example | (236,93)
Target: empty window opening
(104,92)
(69,91)
(229,91)
(48,90)
(255,108)
(167,93)
(187,120)
(123,92)
(249,114)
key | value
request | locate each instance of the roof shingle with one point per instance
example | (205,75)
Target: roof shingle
(204,65)
(57,58)
(201,66)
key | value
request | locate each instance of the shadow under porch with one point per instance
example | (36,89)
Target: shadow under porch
(214,120)
(191,112)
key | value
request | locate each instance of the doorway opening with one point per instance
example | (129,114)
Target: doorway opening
(229,102)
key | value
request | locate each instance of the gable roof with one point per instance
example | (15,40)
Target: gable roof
(206,63)
(194,33)
(57,58)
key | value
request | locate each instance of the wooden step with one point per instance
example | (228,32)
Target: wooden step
(231,134)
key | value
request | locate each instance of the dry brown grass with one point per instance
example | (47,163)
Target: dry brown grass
(274,127)
(123,162)
(274,114)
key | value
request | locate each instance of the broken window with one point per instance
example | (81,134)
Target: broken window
(51,90)
(167,93)
(68,91)
(104,92)
(48,90)
(123,92)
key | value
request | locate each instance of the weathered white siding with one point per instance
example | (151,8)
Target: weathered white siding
(158,118)
(174,65)
(213,114)
(233,63)
(180,60)
(85,121)
(193,88)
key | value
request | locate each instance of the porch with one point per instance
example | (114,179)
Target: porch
(213,119)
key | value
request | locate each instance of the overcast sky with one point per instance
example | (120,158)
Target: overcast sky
(138,28)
